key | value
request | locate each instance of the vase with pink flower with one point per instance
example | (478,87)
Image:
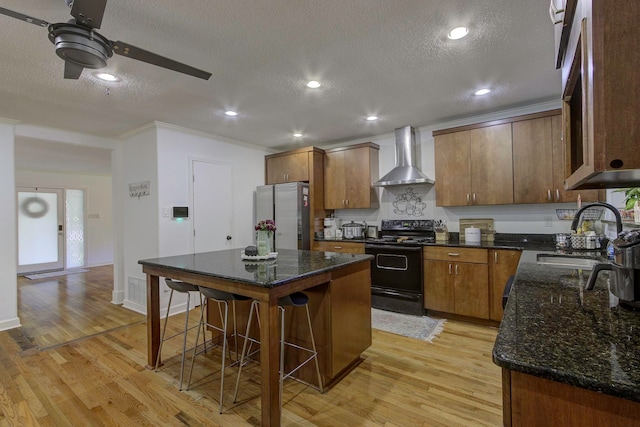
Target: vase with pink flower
(264,234)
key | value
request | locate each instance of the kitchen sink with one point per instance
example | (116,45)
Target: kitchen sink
(567,261)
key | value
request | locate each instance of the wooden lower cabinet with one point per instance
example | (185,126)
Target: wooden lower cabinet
(533,401)
(456,280)
(502,265)
(338,246)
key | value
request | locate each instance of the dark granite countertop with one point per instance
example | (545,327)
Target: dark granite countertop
(289,265)
(553,328)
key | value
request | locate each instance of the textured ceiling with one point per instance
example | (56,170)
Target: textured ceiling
(390,58)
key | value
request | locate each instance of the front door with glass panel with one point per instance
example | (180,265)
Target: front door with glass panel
(40,229)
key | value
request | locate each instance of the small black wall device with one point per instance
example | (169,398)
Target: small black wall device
(181,211)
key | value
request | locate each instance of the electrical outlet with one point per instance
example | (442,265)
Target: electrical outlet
(548,221)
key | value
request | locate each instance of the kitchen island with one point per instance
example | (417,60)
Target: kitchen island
(570,356)
(340,285)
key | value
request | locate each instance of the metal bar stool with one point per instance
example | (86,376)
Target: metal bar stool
(296,299)
(183,288)
(222,298)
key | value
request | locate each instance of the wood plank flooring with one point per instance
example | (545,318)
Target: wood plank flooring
(65,308)
(102,380)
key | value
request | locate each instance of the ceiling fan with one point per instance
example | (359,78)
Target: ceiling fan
(82,47)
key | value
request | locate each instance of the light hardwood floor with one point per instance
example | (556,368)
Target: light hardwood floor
(61,309)
(102,380)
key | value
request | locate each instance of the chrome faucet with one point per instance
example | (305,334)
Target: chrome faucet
(576,218)
(601,266)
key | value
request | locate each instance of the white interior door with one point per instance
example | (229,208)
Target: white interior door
(212,206)
(40,229)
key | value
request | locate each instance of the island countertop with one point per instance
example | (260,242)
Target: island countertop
(554,329)
(288,266)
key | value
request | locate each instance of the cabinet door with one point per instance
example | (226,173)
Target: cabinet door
(334,180)
(453,173)
(502,264)
(297,167)
(471,284)
(438,286)
(275,170)
(533,161)
(357,163)
(491,165)
(559,168)
(288,168)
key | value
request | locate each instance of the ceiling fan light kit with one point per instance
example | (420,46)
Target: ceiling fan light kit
(80,46)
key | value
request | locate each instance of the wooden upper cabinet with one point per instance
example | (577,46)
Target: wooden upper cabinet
(533,161)
(559,166)
(491,165)
(453,171)
(600,87)
(293,167)
(348,175)
(474,167)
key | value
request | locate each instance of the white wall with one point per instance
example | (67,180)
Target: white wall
(177,148)
(140,225)
(8,256)
(99,231)
(162,154)
(535,218)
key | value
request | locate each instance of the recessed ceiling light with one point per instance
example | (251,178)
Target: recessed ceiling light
(482,92)
(297,135)
(231,113)
(372,118)
(107,77)
(458,33)
(313,84)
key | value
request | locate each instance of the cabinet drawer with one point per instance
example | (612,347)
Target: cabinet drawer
(449,253)
(339,246)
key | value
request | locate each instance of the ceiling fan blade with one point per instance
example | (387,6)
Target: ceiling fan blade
(23,17)
(124,49)
(88,12)
(72,71)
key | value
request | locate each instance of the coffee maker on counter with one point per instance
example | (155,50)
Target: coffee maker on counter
(624,280)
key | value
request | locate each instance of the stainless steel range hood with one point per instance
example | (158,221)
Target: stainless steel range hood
(405,171)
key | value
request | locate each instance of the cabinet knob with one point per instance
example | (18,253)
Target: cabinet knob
(495,257)
(449,268)
(549,199)
(474,198)
(456,269)
(557,195)
(468,198)
(453,254)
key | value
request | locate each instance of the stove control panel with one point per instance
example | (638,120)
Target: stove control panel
(407,225)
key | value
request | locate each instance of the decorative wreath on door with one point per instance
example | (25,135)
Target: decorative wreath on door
(34,207)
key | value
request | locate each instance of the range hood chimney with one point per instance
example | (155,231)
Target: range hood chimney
(405,171)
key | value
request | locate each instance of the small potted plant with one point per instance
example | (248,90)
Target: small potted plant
(631,201)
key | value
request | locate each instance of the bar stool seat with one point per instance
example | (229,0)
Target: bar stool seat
(222,298)
(183,288)
(296,299)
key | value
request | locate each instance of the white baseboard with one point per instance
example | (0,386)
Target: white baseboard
(5,325)
(138,308)
(117,297)
(98,265)
(142,309)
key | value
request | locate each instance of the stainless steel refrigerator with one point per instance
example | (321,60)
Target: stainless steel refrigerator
(288,205)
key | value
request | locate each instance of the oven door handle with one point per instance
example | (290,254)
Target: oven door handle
(393,247)
(399,295)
